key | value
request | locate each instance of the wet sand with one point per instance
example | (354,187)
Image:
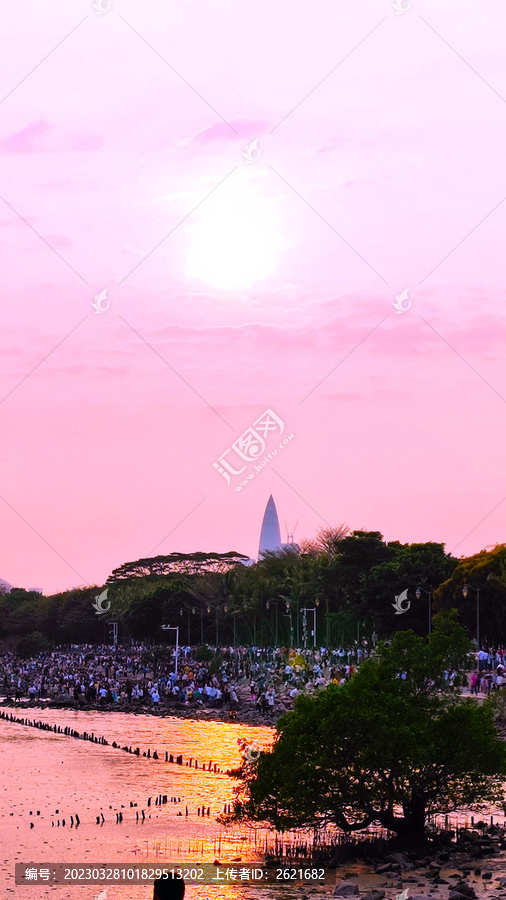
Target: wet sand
(58,777)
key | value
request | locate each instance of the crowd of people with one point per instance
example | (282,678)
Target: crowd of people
(136,677)
(484,682)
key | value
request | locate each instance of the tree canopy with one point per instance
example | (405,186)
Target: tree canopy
(351,578)
(485,571)
(391,746)
(182,563)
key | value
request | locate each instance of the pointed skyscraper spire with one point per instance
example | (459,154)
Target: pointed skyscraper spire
(270,537)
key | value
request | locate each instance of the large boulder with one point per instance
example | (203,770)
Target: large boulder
(464,888)
(462,891)
(399,858)
(346,889)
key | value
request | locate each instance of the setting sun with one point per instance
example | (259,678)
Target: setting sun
(235,241)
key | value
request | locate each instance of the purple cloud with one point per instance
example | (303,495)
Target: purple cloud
(25,141)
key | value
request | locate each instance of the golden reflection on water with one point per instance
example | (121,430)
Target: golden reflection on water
(58,776)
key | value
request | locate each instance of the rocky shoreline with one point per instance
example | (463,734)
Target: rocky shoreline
(471,868)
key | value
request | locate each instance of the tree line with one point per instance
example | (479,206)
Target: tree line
(344,582)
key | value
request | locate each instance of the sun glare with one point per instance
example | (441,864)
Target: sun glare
(235,241)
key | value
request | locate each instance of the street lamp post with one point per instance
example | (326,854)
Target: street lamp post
(189,627)
(176,629)
(418,594)
(268,605)
(305,610)
(209,610)
(114,634)
(201,624)
(465,591)
(289,614)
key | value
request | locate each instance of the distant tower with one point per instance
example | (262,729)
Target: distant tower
(270,537)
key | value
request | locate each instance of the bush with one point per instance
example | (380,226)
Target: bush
(204,654)
(216,664)
(32,644)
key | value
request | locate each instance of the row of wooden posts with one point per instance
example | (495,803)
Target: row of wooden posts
(85,736)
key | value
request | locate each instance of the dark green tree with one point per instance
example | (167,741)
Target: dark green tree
(409,566)
(32,644)
(182,563)
(391,747)
(487,571)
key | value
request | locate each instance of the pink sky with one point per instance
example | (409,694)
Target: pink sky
(381,140)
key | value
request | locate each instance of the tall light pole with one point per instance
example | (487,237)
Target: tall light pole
(201,624)
(305,610)
(418,594)
(268,604)
(209,610)
(189,628)
(289,614)
(114,634)
(465,591)
(176,629)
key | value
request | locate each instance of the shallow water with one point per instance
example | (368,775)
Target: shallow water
(59,776)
